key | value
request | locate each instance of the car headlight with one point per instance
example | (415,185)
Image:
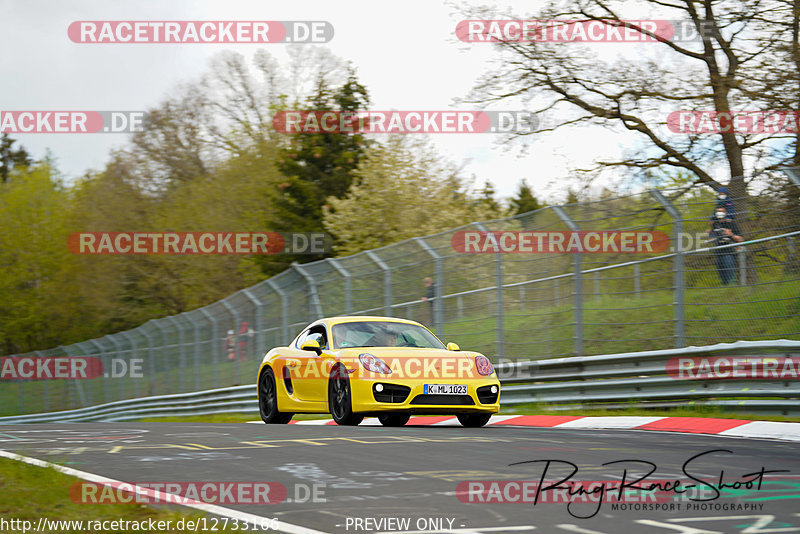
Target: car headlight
(372,363)
(483,365)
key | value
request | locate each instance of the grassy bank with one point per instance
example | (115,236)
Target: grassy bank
(31,492)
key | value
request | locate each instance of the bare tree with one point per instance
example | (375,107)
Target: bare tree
(746,58)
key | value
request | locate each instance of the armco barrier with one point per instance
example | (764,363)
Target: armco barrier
(636,380)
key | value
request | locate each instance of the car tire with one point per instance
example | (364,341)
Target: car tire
(474,420)
(268,400)
(339,399)
(394,419)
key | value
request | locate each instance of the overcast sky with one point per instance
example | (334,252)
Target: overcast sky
(406,55)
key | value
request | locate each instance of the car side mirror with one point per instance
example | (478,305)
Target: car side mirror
(312,345)
(452,346)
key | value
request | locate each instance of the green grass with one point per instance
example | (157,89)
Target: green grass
(31,492)
(614,324)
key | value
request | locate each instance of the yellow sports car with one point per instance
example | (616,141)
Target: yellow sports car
(352,367)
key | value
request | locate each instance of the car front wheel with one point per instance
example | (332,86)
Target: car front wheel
(394,419)
(340,399)
(474,419)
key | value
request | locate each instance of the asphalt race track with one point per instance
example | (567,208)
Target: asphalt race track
(411,474)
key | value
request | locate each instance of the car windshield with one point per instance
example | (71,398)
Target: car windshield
(383,334)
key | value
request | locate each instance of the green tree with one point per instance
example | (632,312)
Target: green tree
(12,158)
(403,189)
(487,198)
(524,200)
(35,308)
(319,165)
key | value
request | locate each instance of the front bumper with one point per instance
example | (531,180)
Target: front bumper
(394,398)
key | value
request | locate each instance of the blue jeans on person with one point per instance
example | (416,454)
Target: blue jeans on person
(726,265)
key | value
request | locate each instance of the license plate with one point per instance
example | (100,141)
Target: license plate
(446,389)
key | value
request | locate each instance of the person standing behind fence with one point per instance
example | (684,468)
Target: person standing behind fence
(430,295)
(245,333)
(230,345)
(725,231)
(724,200)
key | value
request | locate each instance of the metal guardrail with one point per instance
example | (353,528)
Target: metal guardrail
(641,380)
(235,399)
(632,380)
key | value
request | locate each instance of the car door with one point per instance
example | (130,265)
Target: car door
(309,375)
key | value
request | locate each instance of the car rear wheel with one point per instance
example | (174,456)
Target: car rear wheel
(268,400)
(474,419)
(394,419)
(339,399)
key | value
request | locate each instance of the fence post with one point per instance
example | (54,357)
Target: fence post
(118,352)
(260,341)
(236,332)
(637,281)
(679,272)
(578,282)
(195,351)
(742,256)
(314,307)
(162,354)
(78,384)
(181,353)
(214,344)
(387,282)
(45,390)
(149,357)
(348,284)
(134,352)
(21,397)
(794,175)
(500,311)
(101,353)
(284,309)
(437,298)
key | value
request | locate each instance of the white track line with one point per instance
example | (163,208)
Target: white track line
(162,496)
